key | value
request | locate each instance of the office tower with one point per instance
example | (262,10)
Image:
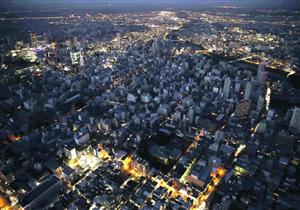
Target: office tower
(81,66)
(191,115)
(82,137)
(177,115)
(262,73)
(237,87)
(74,57)
(260,103)
(219,136)
(33,39)
(46,38)
(81,60)
(155,46)
(295,121)
(248,91)
(226,89)
(119,41)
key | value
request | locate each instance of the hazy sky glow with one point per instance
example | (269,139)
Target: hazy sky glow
(13,5)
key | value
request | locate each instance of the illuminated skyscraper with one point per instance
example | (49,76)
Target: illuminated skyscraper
(260,103)
(262,74)
(295,121)
(33,38)
(74,57)
(45,37)
(81,60)
(248,91)
(119,41)
(219,136)
(81,67)
(191,115)
(226,89)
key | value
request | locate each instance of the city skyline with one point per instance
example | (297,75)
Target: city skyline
(149,105)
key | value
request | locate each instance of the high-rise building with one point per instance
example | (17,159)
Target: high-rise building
(33,39)
(260,103)
(262,73)
(295,121)
(81,60)
(226,89)
(82,137)
(119,41)
(237,87)
(248,91)
(191,115)
(177,115)
(219,136)
(46,38)
(75,57)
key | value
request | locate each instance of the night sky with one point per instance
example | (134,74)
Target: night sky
(14,5)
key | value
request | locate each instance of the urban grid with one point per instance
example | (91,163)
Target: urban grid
(146,105)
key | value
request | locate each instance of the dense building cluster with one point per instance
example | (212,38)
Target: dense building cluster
(143,118)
